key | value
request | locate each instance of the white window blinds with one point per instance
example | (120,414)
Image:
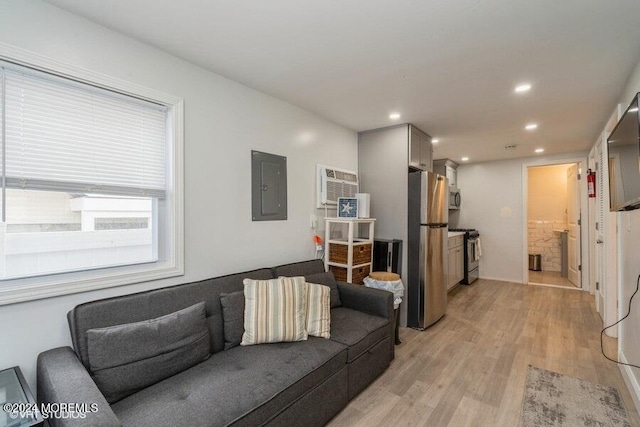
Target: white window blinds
(67,136)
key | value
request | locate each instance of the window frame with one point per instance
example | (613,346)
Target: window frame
(46,286)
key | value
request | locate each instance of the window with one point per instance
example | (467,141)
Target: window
(89,184)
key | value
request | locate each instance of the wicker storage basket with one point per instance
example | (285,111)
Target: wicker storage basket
(358,275)
(361,253)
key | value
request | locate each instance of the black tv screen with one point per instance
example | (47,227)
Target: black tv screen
(623,146)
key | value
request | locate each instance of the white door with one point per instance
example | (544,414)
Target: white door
(573,220)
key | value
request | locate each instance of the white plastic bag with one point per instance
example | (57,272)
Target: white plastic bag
(394,286)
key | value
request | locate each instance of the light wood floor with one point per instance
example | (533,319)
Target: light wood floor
(550,278)
(469,369)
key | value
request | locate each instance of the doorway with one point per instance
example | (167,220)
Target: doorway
(554,225)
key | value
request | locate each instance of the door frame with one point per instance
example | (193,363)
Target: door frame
(592,227)
(585,248)
(574,225)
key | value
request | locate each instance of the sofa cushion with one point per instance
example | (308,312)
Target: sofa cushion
(126,358)
(313,271)
(318,310)
(247,385)
(233,316)
(274,310)
(155,303)
(357,330)
(301,268)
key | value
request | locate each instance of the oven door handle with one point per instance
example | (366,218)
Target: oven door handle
(472,249)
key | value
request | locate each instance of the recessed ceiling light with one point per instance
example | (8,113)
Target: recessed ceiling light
(531,126)
(539,150)
(465,159)
(394,116)
(633,110)
(522,88)
(435,140)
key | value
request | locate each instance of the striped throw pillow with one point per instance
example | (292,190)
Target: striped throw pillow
(318,310)
(275,310)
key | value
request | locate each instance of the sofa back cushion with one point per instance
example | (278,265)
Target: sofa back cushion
(155,303)
(327,279)
(233,316)
(313,272)
(124,359)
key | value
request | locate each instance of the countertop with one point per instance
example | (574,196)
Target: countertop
(455,234)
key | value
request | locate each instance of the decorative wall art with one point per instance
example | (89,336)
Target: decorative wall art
(347,207)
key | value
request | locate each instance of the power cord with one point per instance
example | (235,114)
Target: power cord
(611,326)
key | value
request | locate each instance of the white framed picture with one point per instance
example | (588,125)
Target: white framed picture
(347,207)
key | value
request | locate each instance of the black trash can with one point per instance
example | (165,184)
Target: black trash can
(535,262)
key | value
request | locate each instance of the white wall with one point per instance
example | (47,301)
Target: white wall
(492,202)
(223,122)
(548,193)
(629,253)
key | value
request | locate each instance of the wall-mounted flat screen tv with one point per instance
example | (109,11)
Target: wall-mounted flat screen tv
(623,146)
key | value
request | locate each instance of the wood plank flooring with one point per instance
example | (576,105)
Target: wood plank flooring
(550,278)
(469,369)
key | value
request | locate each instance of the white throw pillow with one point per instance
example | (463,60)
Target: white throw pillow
(318,310)
(275,310)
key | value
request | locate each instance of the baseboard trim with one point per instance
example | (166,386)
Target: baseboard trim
(499,279)
(630,380)
(568,288)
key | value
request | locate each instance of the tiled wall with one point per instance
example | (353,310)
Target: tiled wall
(543,240)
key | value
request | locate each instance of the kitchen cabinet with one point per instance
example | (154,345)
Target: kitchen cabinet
(420,149)
(452,176)
(448,168)
(456,260)
(349,255)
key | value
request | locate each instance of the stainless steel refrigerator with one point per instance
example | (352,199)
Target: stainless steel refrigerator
(427,258)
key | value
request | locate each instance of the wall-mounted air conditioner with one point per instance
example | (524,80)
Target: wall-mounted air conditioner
(333,183)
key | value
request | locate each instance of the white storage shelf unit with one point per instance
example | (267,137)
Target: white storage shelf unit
(349,254)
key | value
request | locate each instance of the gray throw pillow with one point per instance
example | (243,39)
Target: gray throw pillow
(233,318)
(326,279)
(124,359)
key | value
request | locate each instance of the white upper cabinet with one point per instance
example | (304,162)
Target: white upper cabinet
(448,168)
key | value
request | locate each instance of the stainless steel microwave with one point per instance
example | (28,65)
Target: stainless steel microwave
(454,198)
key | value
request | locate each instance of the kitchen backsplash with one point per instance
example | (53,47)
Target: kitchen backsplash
(543,240)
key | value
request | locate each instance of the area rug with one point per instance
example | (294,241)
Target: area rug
(553,399)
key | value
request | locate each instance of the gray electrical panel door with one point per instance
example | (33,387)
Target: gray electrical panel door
(268,186)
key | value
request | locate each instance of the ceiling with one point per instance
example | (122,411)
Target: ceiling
(449,67)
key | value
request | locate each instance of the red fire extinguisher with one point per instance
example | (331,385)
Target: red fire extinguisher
(591,183)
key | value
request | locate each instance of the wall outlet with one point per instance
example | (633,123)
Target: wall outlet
(314,221)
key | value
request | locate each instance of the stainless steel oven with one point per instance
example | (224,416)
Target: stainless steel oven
(472,258)
(471,255)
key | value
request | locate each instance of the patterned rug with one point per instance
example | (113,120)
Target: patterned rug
(553,399)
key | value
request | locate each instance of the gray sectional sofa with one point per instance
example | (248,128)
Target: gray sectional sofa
(294,383)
